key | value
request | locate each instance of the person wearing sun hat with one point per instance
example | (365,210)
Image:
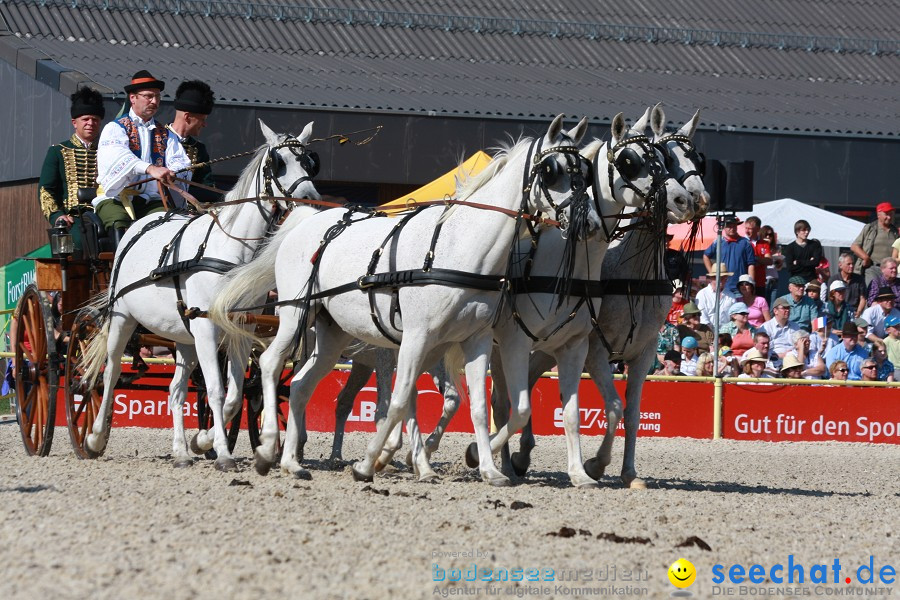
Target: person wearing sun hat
(706,298)
(737,254)
(791,367)
(874,242)
(882,308)
(753,365)
(691,326)
(689,355)
(194,102)
(739,328)
(132,148)
(848,351)
(802,308)
(69,174)
(780,329)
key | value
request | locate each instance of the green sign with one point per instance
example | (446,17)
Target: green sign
(18,275)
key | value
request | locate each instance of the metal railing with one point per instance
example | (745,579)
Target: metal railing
(485,24)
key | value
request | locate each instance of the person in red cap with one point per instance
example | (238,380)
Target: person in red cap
(132,148)
(874,242)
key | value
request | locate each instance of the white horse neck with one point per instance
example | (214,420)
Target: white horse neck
(632,256)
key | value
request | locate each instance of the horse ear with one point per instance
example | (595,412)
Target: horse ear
(691,126)
(555,127)
(658,120)
(271,136)
(306,134)
(577,132)
(641,124)
(618,128)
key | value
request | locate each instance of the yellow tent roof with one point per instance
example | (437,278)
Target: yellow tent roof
(442,187)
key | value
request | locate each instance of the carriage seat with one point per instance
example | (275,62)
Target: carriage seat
(97,235)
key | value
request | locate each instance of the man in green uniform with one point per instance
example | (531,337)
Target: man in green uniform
(193,103)
(68,180)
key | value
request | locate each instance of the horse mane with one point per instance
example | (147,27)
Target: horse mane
(591,151)
(244,188)
(504,154)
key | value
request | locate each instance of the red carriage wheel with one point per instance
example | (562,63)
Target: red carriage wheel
(82,404)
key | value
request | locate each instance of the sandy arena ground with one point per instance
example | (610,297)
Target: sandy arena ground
(130,526)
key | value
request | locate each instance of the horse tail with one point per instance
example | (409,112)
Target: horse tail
(455,362)
(248,284)
(95,353)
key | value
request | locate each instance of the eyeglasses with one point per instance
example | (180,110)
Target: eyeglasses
(842,370)
(869,367)
(149,95)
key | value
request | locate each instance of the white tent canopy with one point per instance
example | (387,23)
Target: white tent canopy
(830,229)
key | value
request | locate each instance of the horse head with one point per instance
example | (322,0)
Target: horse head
(632,173)
(559,179)
(682,160)
(289,167)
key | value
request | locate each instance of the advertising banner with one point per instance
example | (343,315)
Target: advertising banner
(778,413)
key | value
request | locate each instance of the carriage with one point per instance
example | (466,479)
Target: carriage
(49,342)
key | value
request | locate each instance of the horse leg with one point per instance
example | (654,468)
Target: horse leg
(120,330)
(538,364)
(208,354)
(271,363)
(446,384)
(409,365)
(500,408)
(185,362)
(235,372)
(385,364)
(421,465)
(637,375)
(330,342)
(571,361)
(359,375)
(597,366)
(478,354)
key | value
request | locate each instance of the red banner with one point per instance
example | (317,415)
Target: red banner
(811,414)
(683,409)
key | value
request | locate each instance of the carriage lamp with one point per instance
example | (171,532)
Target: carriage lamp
(61,244)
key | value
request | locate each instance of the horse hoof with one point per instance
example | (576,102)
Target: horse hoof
(225,465)
(636,484)
(520,463)
(472,455)
(183,463)
(262,465)
(302,475)
(429,476)
(498,480)
(379,466)
(361,477)
(89,453)
(586,485)
(594,468)
(195,446)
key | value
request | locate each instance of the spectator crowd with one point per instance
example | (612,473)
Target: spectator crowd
(843,326)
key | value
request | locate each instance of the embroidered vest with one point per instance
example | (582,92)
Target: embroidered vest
(159,138)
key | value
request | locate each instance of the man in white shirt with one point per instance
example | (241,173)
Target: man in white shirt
(135,147)
(780,329)
(706,298)
(882,307)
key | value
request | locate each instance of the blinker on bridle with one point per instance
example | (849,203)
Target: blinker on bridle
(690,152)
(274,164)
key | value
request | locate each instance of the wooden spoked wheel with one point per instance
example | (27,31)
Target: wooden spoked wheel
(37,376)
(82,404)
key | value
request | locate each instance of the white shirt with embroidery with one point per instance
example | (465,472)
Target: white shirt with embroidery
(117,165)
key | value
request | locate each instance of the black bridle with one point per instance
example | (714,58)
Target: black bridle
(308,160)
(690,152)
(544,173)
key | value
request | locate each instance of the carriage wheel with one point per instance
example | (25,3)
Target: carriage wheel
(205,422)
(37,376)
(82,405)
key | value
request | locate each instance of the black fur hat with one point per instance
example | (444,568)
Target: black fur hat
(195,97)
(86,101)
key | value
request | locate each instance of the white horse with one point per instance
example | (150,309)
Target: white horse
(230,236)
(630,324)
(546,316)
(450,303)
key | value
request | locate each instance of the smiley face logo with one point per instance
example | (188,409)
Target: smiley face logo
(682,573)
